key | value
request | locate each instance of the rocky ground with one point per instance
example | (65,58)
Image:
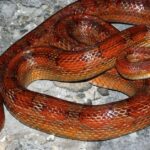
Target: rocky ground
(17,17)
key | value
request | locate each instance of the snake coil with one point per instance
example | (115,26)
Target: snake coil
(78,43)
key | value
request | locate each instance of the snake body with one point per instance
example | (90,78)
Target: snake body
(78,44)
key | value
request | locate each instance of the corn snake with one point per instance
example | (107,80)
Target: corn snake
(43,54)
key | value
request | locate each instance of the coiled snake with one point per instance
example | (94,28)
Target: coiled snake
(79,44)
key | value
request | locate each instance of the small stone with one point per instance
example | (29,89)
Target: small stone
(89,102)
(75,87)
(50,138)
(81,95)
(103,91)
(31,3)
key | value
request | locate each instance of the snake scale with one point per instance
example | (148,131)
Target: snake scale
(78,43)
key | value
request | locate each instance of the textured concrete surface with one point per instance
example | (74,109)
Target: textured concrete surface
(17,17)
